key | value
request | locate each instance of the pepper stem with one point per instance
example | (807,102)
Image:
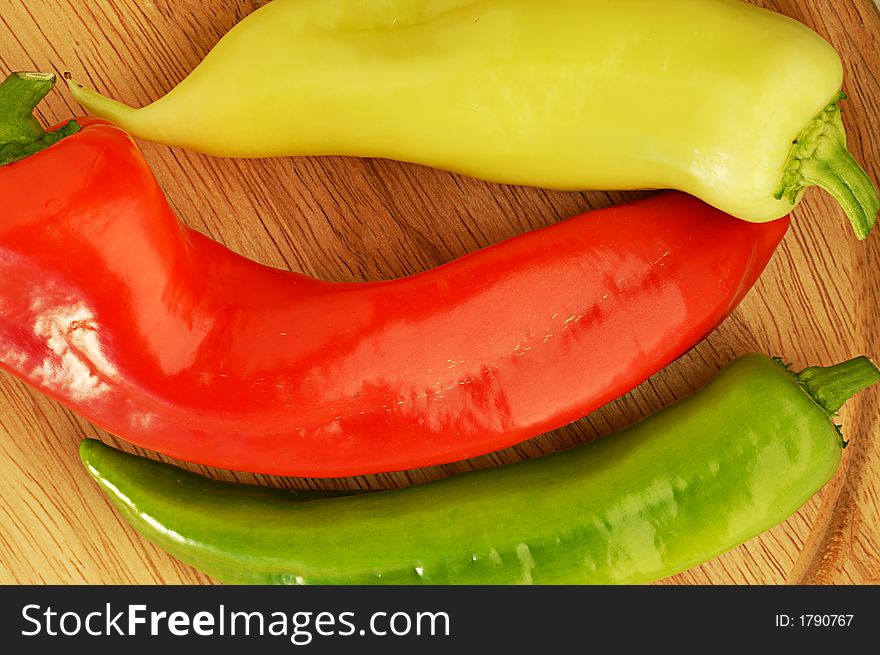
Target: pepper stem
(21,134)
(819,158)
(831,386)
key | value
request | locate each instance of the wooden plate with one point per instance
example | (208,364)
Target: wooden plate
(347,219)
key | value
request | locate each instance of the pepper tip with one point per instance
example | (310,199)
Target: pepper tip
(87,449)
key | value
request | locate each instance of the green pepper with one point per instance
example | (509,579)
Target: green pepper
(681,486)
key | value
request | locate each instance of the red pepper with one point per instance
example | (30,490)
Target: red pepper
(173,342)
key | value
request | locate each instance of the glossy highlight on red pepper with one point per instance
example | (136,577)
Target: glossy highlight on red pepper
(151,330)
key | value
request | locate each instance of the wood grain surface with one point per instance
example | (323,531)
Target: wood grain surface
(348,219)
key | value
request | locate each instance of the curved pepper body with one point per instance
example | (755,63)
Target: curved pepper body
(681,486)
(704,96)
(171,341)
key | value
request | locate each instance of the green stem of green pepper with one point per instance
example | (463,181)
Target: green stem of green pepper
(673,490)
(831,386)
(21,134)
(819,157)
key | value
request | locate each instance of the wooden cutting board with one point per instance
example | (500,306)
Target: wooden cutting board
(346,219)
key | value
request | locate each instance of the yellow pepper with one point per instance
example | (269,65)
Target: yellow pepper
(729,102)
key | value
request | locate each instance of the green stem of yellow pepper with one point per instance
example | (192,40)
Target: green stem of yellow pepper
(819,157)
